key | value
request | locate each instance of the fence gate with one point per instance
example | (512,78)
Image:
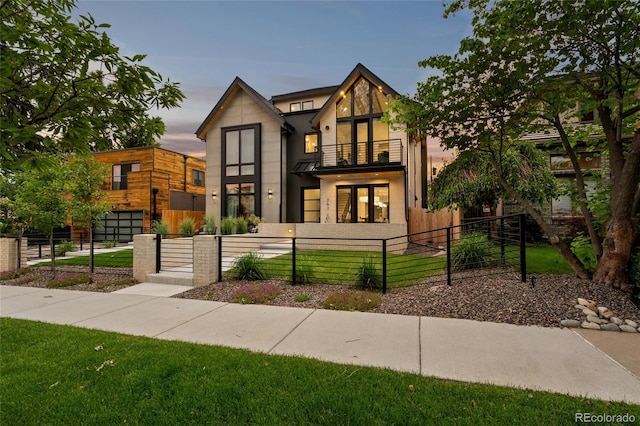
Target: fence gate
(176,254)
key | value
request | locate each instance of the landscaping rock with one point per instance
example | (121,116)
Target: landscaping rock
(590,325)
(589,312)
(631,323)
(592,306)
(628,329)
(579,307)
(616,320)
(608,315)
(569,323)
(609,327)
(595,319)
(583,302)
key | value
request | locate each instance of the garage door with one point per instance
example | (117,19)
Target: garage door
(120,225)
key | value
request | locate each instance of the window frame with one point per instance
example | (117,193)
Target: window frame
(303,209)
(122,176)
(198,178)
(317,147)
(241,179)
(355,215)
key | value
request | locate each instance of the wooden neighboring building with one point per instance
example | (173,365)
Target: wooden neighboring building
(147,184)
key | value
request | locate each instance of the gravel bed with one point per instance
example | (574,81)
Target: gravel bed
(493,296)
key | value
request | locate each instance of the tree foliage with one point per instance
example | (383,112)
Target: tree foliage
(65,87)
(534,67)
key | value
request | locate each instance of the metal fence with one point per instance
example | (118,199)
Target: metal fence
(174,253)
(486,246)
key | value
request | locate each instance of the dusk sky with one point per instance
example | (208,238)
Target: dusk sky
(274,46)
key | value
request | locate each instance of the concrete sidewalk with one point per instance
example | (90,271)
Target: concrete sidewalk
(556,360)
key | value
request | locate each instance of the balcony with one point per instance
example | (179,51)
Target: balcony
(373,154)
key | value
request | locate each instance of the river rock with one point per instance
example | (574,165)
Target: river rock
(579,307)
(616,320)
(595,319)
(610,327)
(628,329)
(590,325)
(631,323)
(608,315)
(591,305)
(569,323)
(589,312)
(583,302)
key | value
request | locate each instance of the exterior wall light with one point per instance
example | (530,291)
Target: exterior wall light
(214,195)
(270,193)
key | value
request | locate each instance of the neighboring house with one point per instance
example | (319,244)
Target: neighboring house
(147,184)
(562,213)
(315,156)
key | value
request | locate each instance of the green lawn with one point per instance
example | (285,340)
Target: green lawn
(121,258)
(60,375)
(544,259)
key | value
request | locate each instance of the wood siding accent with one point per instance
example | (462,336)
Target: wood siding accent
(420,220)
(173,218)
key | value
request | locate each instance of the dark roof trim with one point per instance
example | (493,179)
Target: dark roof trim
(302,93)
(359,70)
(228,94)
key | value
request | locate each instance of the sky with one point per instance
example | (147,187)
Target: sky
(276,47)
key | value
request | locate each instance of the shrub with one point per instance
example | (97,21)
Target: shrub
(228,226)
(209,226)
(110,243)
(187,227)
(471,251)
(352,301)
(11,275)
(369,276)
(581,247)
(304,270)
(302,298)
(63,247)
(241,225)
(252,222)
(250,267)
(160,227)
(256,293)
(68,280)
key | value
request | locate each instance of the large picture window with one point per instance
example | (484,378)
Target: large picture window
(363,204)
(361,135)
(241,166)
(311,205)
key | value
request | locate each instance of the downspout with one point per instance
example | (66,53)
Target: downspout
(185,173)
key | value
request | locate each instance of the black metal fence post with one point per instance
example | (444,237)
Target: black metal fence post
(523,250)
(293,261)
(384,266)
(158,248)
(449,256)
(81,238)
(502,246)
(219,258)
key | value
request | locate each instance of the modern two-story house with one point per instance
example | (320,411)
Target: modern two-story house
(322,155)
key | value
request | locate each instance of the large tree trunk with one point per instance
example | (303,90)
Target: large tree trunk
(615,256)
(621,231)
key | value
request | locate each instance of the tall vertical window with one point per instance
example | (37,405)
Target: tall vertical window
(361,135)
(119,174)
(311,205)
(241,177)
(363,204)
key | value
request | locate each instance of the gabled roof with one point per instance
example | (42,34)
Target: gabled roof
(358,71)
(237,85)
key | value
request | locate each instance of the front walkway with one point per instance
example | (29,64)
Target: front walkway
(551,359)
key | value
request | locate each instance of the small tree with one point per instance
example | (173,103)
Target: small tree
(40,201)
(88,201)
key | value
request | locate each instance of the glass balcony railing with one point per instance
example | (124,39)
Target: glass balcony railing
(382,152)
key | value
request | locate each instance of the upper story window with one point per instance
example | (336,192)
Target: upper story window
(310,143)
(300,106)
(240,152)
(362,99)
(197,177)
(586,160)
(119,174)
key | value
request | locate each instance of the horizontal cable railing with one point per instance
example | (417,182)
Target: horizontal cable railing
(379,152)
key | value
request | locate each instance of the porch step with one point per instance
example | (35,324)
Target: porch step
(170,277)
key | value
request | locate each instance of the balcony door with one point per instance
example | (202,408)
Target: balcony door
(362,141)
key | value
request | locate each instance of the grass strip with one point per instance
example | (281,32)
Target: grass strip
(60,375)
(121,258)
